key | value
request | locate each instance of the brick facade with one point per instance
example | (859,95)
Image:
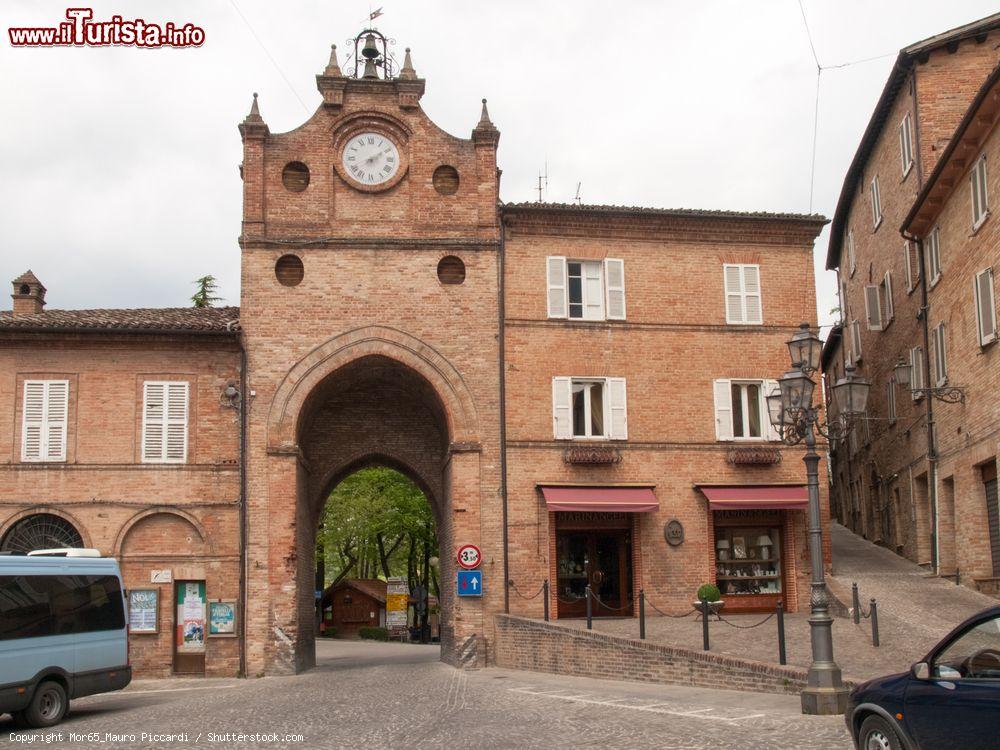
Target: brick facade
(349,349)
(884,487)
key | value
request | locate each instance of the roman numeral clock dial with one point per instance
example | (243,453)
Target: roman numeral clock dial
(371,158)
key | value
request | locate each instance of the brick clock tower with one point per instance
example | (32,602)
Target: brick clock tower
(370,253)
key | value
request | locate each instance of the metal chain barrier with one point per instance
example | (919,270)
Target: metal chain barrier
(667,614)
(526,598)
(608,606)
(745,627)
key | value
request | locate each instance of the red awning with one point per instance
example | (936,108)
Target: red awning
(757,497)
(601,499)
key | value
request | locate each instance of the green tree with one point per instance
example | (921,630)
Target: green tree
(206,294)
(377,524)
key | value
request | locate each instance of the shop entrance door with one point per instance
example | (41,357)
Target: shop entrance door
(189,627)
(604,560)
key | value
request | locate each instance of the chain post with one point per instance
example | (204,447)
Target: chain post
(545,593)
(781,634)
(856,603)
(704,624)
(642,615)
(590,614)
(874,616)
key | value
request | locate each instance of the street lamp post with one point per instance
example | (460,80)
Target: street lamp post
(791,411)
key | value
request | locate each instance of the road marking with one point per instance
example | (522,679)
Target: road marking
(616,703)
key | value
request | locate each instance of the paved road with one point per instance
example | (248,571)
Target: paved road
(391,695)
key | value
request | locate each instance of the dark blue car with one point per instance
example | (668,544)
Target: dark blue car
(951,699)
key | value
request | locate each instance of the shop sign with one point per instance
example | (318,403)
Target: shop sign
(161,576)
(673,532)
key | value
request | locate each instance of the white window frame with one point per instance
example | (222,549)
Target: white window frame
(933,249)
(986,335)
(906,144)
(615,408)
(52,420)
(851,255)
(888,311)
(609,303)
(876,199)
(940,354)
(725,426)
(166,421)
(873,307)
(911,265)
(742,293)
(980,195)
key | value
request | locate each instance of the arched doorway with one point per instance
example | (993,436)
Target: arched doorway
(372,396)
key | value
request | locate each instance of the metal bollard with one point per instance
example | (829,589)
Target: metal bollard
(545,594)
(642,615)
(856,603)
(958,577)
(781,634)
(704,624)
(590,615)
(874,616)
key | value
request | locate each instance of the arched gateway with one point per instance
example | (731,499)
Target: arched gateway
(359,351)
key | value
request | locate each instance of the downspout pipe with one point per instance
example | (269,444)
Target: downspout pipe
(244,402)
(924,316)
(501,313)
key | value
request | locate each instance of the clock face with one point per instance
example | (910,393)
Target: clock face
(371,158)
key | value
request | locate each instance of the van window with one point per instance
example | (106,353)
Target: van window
(34,606)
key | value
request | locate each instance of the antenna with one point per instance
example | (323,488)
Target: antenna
(577,198)
(543,181)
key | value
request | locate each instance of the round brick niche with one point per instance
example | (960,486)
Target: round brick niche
(289,270)
(451,270)
(446,180)
(295,176)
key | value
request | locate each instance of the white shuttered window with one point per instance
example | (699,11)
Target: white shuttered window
(165,422)
(940,354)
(873,307)
(589,408)
(917,371)
(980,197)
(986,314)
(44,420)
(585,289)
(556,274)
(742,288)
(741,409)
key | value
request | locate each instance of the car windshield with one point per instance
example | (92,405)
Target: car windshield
(973,655)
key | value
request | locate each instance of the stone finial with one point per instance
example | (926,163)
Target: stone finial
(253,125)
(484,118)
(29,295)
(333,67)
(254,115)
(485,131)
(407,73)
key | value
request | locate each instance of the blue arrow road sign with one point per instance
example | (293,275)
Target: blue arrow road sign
(470,583)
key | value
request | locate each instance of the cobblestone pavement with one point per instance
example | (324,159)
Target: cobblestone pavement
(914,611)
(391,695)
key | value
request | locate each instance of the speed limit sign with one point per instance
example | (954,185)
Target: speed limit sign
(469,556)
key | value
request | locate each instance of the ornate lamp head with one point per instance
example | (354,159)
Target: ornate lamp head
(805,349)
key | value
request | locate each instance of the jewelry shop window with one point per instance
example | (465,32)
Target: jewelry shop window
(748,560)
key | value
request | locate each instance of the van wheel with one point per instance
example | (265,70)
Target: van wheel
(878,734)
(48,705)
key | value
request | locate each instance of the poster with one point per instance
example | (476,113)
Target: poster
(397,603)
(143,610)
(222,618)
(191,617)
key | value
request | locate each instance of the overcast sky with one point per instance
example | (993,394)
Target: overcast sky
(120,182)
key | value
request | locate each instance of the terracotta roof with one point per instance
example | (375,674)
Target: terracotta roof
(198,320)
(900,69)
(28,278)
(648,211)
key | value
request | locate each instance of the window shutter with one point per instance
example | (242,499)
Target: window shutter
(751,293)
(175,449)
(556,279)
(619,412)
(940,356)
(850,252)
(33,420)
(614,279)
(985,307)
(769,387)
(734,294)
(873,308)
(907,270)
(562,408)
(154,396)
(723,411)
(56,412)
(165,422)
(917,370)
(889,312)
(855,341)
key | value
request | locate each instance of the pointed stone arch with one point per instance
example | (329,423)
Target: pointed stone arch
(310,371)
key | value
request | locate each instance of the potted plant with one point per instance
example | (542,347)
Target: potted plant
(709,593)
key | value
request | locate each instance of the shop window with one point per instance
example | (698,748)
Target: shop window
(748,560)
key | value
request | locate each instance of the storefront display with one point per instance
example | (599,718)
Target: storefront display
(748,560)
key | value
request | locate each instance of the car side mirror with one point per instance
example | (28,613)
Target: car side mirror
(921,670)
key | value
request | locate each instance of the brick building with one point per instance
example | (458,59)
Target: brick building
(578,390)
(914,259)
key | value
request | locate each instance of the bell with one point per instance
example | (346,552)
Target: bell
(369,51)
(370,70)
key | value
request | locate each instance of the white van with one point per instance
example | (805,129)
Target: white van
(63,632)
